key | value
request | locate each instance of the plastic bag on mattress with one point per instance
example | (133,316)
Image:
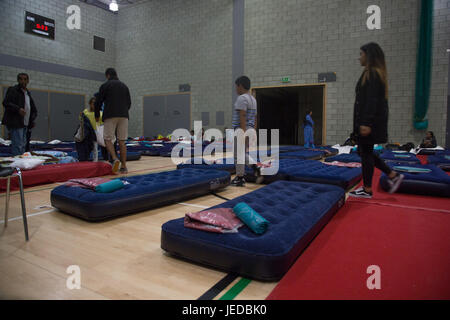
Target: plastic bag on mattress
(220,220)
(87,183)
(26,163)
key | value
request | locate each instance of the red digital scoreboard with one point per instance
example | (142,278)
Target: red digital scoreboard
(39,25)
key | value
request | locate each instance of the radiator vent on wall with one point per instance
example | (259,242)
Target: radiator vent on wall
(99,43)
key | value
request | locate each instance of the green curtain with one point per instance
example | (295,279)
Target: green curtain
(424,60)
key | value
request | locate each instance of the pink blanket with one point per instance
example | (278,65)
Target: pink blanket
(343,164)
(87,183)
(220,220)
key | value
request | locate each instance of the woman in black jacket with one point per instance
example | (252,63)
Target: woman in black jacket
(370,118)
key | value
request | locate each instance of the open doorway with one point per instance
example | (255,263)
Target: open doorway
(284,108)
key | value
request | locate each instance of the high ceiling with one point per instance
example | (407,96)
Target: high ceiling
(104,4)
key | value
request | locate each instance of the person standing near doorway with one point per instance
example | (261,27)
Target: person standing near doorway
(116,97)
(308,130)
(20,114)
(244,117)
(370,119)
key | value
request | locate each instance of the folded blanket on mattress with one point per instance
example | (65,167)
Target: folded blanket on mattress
(344,164)
(87,183)
(220,220)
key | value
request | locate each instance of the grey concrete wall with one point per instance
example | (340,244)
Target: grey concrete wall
(162,44)
(301,38)
(70,53)
(158,45)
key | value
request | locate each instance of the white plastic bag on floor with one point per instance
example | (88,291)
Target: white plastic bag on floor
(99,133)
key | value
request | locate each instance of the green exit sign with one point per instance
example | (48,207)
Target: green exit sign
(285,80)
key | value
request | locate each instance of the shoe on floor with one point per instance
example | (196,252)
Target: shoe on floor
(360,193)
(257,173)
(238,182)
(115,166)
(123,171)
(395,183)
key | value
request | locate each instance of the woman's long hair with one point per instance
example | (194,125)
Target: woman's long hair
(375,63)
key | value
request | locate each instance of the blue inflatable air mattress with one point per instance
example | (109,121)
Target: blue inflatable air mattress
(142,193)
(441,160)
(405,157)
(284,149)
(303,155)
(152,149)
(296,212)
(434,183)
(346,158)
(219,164)
(317,172)
(311,171)
(131,155)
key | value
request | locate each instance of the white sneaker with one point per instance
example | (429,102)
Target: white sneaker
(360,193)
(395,182)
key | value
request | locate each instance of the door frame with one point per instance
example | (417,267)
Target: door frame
(168,94)
(324,107)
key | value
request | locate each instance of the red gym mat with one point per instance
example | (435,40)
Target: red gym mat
(52,173)
(423,159)
(411,248)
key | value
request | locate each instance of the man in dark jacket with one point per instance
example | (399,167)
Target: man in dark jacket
(20,113)
(117,101)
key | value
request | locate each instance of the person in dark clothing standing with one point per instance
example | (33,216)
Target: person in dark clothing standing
(370,118)
(308,130)
(20,113)
(116,97)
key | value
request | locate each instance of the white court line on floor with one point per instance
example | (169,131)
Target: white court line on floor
(53,209)
(29,215)
(192,205)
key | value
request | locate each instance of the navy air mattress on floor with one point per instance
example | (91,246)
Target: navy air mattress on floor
(142,193)
(435,183)
(398,156)
(296,212)
(284,149)
(311,171)
(346,158)
(303,154)
(317,172)
(292,169)
(440,160)
(131,155)
(219,164)
(151,149)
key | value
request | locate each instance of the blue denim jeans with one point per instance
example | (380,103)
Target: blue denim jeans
(18,140)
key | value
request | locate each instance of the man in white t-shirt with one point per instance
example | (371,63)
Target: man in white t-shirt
(244,117)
